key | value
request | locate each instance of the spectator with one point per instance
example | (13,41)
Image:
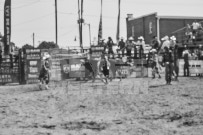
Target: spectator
(195,27)
(166,43)
(167,60)
(174,72)
(200,53)
(186,61)
(188,33)
(121,45)
(110,45)
(141,42)
(129,46)
(155,43)
(172,42)
(102,43)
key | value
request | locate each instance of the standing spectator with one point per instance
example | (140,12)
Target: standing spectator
(167,60)
(121,45)
(110,45)
(166,43)
(154,59)
(102,43)
(172,42)
(200,53)
(155,43)
(141,44)
(186,61)
(129,46)
(195,27)
(188,33)
(45,71)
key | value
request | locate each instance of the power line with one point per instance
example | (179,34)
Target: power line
(68,32)
(111,17)
(34,19)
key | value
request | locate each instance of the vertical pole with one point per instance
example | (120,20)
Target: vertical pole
(79,22)
(56,22)
(81,25)
(90,34)
(158,28)
(33,40)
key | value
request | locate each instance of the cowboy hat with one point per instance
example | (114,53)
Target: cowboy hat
(82,60)
(165,38)
(141,38)
(173,38)
(130,38)
(153,50)
(46,56)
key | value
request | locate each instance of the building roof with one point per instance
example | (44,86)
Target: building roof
(142,16)
(179,17)
(167,17)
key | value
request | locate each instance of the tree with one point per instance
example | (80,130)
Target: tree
(27,46)
(47,45)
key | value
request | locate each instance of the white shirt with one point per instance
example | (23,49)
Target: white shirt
(166,43)
(141,43)
(195,25)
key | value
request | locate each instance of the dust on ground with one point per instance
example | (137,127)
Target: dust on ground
(133,106)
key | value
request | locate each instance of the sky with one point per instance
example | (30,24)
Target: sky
(38,17)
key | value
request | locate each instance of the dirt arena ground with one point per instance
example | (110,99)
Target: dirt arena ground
(134,106)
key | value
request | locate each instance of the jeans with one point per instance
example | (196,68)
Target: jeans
(168,72)
(186,69)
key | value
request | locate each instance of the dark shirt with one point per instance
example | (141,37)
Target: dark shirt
(110,44)
(186,57)
(121,44)
(155,44)
(167,57)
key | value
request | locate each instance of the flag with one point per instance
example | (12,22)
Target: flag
(100,25)
(7,26)
(118,23)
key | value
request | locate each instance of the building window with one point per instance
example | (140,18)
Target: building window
(133,31)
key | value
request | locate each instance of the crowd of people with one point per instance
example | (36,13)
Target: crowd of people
(163,53)
(193,32)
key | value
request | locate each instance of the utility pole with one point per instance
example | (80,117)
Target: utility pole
(89,32)
(80,21)
(56,22)
(33,36)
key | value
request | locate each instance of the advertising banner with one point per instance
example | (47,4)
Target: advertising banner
(7,26)
(195,67)
(73,68)
(96,51)
(33,65)
(8,74)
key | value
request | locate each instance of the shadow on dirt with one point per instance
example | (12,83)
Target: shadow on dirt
(84,125)
(156,86)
